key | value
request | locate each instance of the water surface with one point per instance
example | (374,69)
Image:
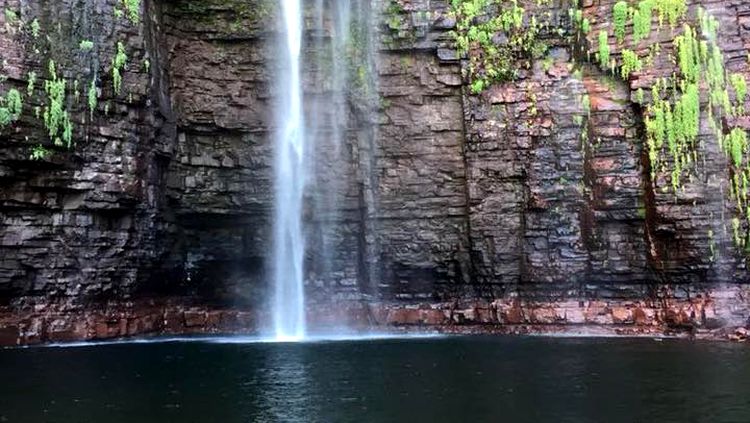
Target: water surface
(451,379)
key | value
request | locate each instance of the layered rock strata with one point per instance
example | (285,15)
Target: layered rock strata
(455,211)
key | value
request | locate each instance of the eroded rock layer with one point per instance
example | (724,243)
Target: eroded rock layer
(520,207)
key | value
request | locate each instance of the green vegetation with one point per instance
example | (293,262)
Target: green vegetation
(709,24)
(477,22)
(86,45)
(31,78)
(738,241)
(547,63)
(5,117)
(118,63)
(132,10)
(670,10)
(688,57)
(740,90)
(39,152)
(395,15)
(640,96)
(642,18)
(56,118)
(656,128)
(673,115)
(582,24)
(11,107)
(533,111)
(736,143)
(576,15)
(35,28)
(586,104)
(712,61)
(92,97)
(676,126)
(653,51)
(11,17)
(76,91)
(619,19)
(14,103)
(603,54)
(585,26)
(630,63)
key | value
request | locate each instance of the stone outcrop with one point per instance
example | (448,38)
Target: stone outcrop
(454,210)
(706,313)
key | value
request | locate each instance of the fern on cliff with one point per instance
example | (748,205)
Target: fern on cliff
(478,22)
(31,78)
(92,97)
(740,90)
(11,107)
(670,10)
(619,19)
(642,17)
(603,53)
(14,103)
(118,63)
(736,143)
(56,118)
(132,10)
(630,63)
(688,54)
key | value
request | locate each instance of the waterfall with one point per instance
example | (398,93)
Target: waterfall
(289,243)
(317,166)
(331,165)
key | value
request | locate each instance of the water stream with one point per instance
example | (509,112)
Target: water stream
(289,243)
(315,171)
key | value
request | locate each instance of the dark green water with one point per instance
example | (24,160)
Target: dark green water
(459,379)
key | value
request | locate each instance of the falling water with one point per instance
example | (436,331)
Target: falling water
(289,247)
(316,167)
(331,166)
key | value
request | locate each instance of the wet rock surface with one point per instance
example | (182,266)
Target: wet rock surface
(453,209)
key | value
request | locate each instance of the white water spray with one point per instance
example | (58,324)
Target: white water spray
(315,170)
(289,247)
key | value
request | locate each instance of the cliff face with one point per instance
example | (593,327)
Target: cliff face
(520,205)
(83,221)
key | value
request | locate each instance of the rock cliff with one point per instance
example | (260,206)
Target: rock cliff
(527,204)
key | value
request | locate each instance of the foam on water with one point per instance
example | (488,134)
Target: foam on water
(242,340)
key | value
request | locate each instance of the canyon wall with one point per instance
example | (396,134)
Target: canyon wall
(517,206)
